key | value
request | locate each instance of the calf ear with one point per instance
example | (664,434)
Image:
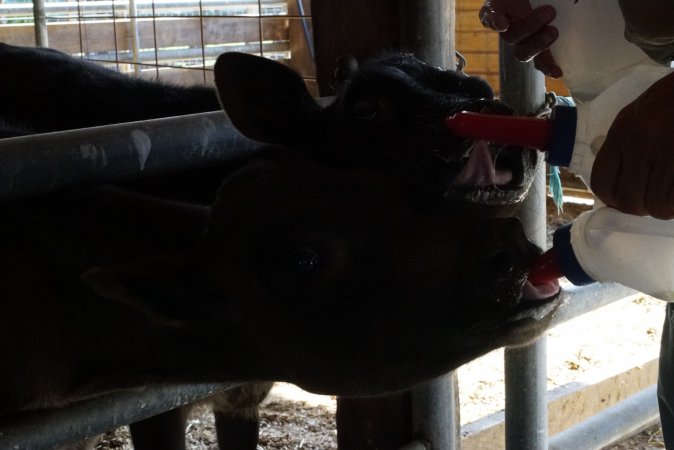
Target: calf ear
(346,67)
(265,100)
(169,289)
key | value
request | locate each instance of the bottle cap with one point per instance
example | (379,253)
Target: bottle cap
(562,135)
(566,258)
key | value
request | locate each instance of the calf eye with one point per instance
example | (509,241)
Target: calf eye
(305,261)
(364,110)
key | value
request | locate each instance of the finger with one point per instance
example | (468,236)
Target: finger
(529,48)
(546,64)
(529,26)
(493,17)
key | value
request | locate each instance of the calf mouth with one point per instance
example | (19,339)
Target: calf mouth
(482,172)
(490,174)
(518,300)
(526,318)
(536,301)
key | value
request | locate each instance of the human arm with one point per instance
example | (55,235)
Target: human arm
(528,30)
(634,168)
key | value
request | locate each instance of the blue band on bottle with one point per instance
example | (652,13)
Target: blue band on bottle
(566,259)
(562,135)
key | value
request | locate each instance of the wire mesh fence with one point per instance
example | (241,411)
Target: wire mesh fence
(170,40)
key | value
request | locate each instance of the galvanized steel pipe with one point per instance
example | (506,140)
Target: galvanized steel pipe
(37,164)
(427,30)
(52,428)
(523,88)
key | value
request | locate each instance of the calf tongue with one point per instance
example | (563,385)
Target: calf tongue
(479,170)
(541,291)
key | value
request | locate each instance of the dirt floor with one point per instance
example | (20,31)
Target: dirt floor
(292,419)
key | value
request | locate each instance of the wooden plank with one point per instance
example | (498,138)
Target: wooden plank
(468,20)
(18,35)
(481,62)
(476,41)
(469,4)
(556,86)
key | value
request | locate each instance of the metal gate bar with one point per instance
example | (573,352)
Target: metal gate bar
(40,163)
(582,300)
(427,29)
(526,413)
(55,427)
(435,413)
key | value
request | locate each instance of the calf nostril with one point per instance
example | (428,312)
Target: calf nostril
(498,261)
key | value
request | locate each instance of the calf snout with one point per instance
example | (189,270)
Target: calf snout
(505,242)
(497,261)
(504,253)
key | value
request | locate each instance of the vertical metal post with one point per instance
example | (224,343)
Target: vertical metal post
(523,87)
(427,30)
(40,20)
(435,413)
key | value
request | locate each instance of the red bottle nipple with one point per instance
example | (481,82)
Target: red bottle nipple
(555,136)
(509,130)
(544,269)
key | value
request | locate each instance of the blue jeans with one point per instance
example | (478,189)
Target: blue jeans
(666,378)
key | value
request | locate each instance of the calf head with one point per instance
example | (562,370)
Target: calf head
(387,115)
(340,283)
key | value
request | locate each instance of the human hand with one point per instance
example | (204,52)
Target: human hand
(634,168)
(526,29)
